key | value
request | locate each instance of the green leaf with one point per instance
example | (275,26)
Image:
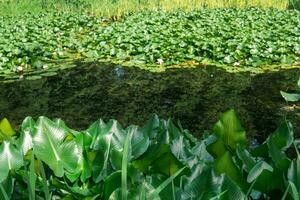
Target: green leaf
(226,165)
(157,190)
(4,194)
(10,159)
(256,171)
(293,191)
(7,188)
(294,173)
(204,185)
(208,185)
(109,144)
(111,183)
(125,160)
(278,142)
(6,129)
(28,124)
(229,132)
(248,161)
(31,179)
(151,126)
(290,96)
(50,147)
(24,142)
(44,181)
(158,159)
(231,189)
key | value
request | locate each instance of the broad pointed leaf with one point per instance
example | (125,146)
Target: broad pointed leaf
(50,147)
(278,142)
(10,159)
(6,129)
(290,96)
(256,171)
(230,130)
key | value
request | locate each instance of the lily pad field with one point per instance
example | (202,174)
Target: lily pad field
(150,99)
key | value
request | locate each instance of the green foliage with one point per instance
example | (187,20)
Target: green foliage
(152,40)
(292,97)
(46,159)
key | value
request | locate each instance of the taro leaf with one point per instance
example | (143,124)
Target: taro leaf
(207,185)
(10,159)
(91,134)
(8,186)
(31,179)
(203,186)
(125,159)
(226,165)
(216,146)
(24,142)
(293,190)
(290,96)
(231,190)
(50,147)
(199,150)
(229,132)
(139,142)
(294,173)
(163,185)
(109,144)
(138,193)
(116,195)
(142,191)
(150,128)
(158,159)
(28,124)
(187,134)
(84,168)
(247,160)
(266,182)
(111,183)
(6,129)
(261,151)
(180,148)
(256,171)
(167,132)
(70,132)
(278,142)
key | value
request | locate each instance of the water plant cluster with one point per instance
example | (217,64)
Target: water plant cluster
(45,159)
(234,37)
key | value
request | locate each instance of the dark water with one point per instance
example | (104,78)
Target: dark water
(196,97)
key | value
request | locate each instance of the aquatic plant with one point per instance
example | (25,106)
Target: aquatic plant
(45,159)
(152,40)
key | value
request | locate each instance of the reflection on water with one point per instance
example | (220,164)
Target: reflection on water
(196,96)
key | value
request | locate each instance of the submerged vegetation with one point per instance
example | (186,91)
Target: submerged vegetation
(47,160)
(152,40)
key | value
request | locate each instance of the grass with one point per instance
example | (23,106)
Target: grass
(110,8)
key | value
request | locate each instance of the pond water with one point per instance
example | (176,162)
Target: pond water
(196,97)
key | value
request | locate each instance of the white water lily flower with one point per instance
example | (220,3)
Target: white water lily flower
(160,61)
(45,67)
(20,69)
(270,50)
(236,64)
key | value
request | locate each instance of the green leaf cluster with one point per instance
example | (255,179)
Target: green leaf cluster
(45,159)
(152,39)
